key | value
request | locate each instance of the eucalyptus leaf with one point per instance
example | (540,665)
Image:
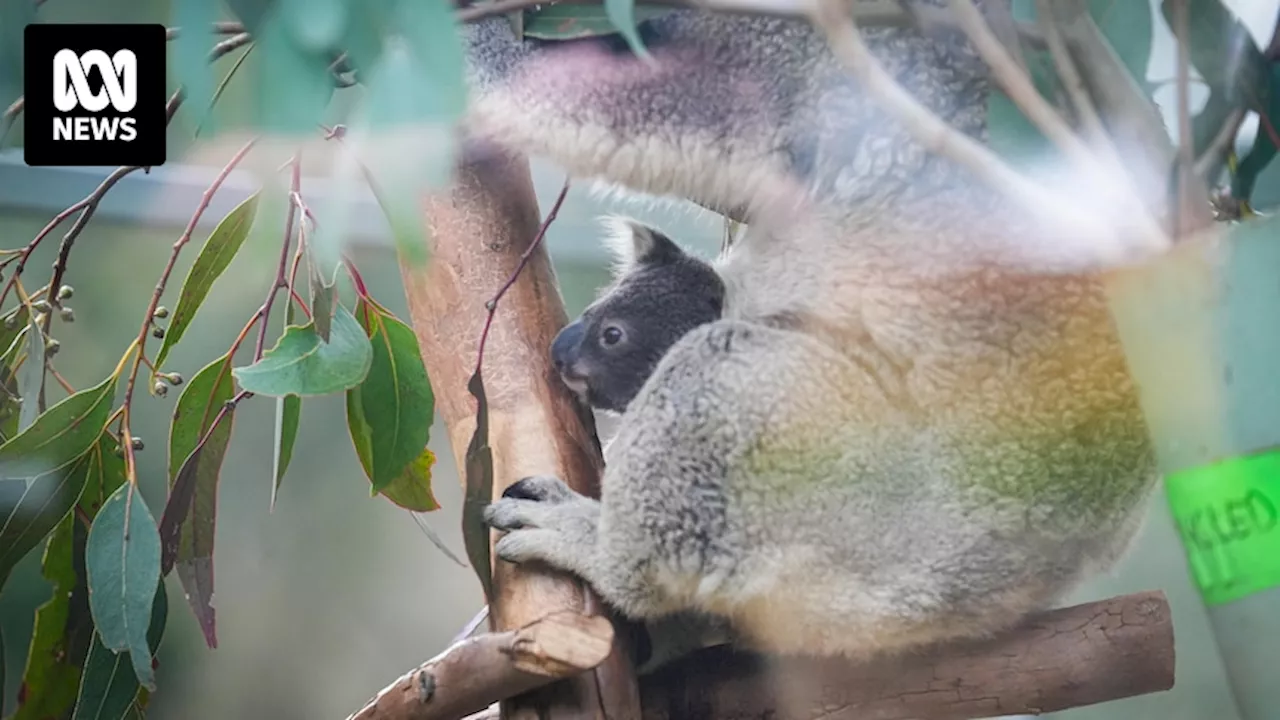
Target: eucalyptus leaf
(108,686)
(1223,52)
(478,476)
(218,251)
(1263,151)
(252,13)
(52,675)
(411,489)
(108,689)
(1128,26)
(303,364)
(293,81)
(406,126)
(10,406)
(419,76)
(400,206)
(288,415)
(324,293)
(395,401)
(122,558)
(13,325)
(190,56)
(61,434)
(622,15)
(14,16)
(315,25)
(364,34)
(198,406)
(47,500)
(189,519)
(435,50)
(31,377)
(106,474)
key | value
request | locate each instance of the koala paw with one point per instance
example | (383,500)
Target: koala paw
(545,521)
(542,488)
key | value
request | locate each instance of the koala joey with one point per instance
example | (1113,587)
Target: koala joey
(659,294)
(906,425)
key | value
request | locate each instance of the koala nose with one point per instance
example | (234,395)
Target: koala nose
(564,349)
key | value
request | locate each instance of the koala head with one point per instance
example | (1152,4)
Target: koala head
(659,293)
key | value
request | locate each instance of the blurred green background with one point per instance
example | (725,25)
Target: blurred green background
(333,595)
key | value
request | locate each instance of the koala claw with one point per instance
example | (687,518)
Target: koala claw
(560,534)
(526,545)
(541,488)
(511,514)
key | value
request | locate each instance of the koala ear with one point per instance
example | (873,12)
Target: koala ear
(634,243)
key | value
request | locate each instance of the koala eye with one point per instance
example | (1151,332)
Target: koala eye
(612,335)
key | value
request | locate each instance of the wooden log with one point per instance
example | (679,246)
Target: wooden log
(1060,659)
(478,232)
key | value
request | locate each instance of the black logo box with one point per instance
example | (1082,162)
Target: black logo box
(44,40)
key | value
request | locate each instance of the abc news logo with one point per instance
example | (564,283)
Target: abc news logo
(71,90)
(95,95)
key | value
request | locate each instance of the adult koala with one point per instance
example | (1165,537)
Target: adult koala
(903,429)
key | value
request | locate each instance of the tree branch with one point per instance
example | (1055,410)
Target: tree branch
(1061,659)
(1065,658)
(477,672)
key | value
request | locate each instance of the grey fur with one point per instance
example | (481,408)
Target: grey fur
(914,422)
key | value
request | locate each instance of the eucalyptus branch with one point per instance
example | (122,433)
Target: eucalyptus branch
(1081,102)
(224,47)
(1132,119)
(11,114)
(833,19)
(1000,16)
(141,341)
(86,207)
(280,281)
(93,198)
(222,87)
(492,305)
(1192,213)
(1017,84)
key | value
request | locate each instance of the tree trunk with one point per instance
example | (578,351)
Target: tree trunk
(478,232)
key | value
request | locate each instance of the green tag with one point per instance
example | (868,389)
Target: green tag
(1228,515)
